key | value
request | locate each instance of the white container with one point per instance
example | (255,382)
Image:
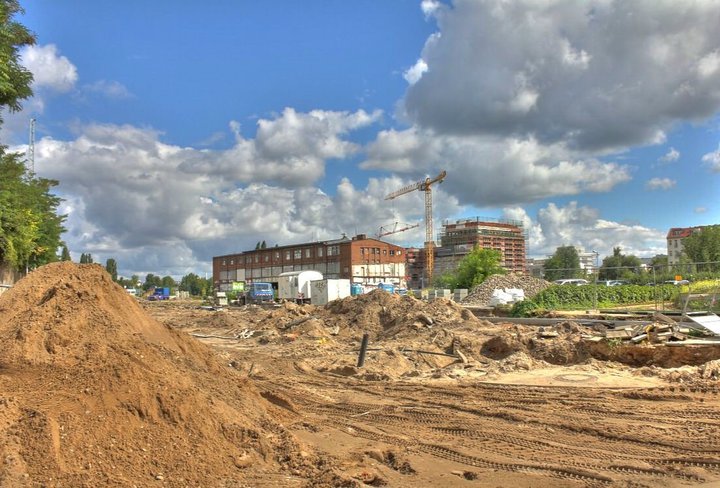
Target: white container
(295,285)
(324,291)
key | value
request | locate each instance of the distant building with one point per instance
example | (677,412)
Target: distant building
(458,238)
(675,238)
(360,259)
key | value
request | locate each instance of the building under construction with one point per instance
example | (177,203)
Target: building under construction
(458,238)
(361,259)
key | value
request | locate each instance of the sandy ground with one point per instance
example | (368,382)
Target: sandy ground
(410,419)
(99,389)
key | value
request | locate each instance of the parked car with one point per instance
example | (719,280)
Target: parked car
(612,282)
(571,281)
(677,282)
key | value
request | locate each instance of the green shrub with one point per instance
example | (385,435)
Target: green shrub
(565,296)
(525,308)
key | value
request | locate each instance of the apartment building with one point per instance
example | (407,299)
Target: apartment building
(675,237)
(360,259)
(459,238)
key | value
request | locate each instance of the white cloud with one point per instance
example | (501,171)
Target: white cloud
(660,184)
(50,70)
(671,156)
(488,171)
(109,89)
(712,160)
(414,73)
(430,7)
(700,210)
(596,75)
(583,226)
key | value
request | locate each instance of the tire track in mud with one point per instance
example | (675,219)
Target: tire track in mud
(598,435)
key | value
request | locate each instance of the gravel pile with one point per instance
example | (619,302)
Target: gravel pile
(481,294)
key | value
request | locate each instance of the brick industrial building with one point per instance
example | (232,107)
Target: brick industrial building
(360,259)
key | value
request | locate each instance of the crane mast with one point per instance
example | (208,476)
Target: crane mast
(426,186)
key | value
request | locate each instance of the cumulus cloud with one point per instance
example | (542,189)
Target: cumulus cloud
(660,184)
(671,156)
(598,75)
(490,171)
(414,73)
(50,69)
(290,149)
(712,160)
(582,226)
(130,196)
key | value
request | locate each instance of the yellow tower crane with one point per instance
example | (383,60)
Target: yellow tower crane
(424,185)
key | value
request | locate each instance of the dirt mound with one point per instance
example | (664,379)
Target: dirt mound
(385,315)
(95,392)
(481,294)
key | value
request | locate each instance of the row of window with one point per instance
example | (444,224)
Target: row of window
(295,254)
(368,251)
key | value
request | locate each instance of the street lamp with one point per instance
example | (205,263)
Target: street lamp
(597,272)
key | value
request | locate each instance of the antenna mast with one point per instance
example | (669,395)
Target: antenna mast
(31,145)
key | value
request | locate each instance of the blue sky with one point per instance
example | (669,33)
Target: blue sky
(183,130)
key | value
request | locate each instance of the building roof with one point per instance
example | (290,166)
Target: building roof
(680,232)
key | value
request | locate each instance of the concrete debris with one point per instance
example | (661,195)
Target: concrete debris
(482,294)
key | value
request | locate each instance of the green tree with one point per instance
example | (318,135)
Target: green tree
(15,79)
(257,246)
(168,281)
(86,258)
(65,256)
(565,263)
(111,268)
(618,266)
(477,266)
(151,281)
(30,228)
(263,245)
(703,245)
(194,285)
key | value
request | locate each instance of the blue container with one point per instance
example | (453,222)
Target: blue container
(388,287)
(356,289)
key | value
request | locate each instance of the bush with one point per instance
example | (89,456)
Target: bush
(564,296)
(525,308)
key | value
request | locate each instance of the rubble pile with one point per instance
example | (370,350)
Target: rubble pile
(481,295)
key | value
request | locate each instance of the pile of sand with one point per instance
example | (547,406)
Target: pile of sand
(96,393)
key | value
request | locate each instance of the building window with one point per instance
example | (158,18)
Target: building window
(277,254)
(297,254)
(287,255)
(392,252)
(320,252)
(307,252)
(257,258)
(267,258)
(384,252)
(232,261)
(362,251)
(399,253)
(223,262)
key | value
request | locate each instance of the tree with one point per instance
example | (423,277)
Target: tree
(194,285)
(151,281)
(30,228)
(86,258)
(111,268)
(565,263)
(65,256)
(475,268)
(168,281)
(703,245)
(263,245)
(15,79)
(257,246)
(618,266)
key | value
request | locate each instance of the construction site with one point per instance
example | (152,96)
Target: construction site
(100,388)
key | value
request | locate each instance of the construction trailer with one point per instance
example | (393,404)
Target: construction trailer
(325,291)
(295,285)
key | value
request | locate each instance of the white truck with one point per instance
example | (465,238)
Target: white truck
(325,291)
(295,285)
